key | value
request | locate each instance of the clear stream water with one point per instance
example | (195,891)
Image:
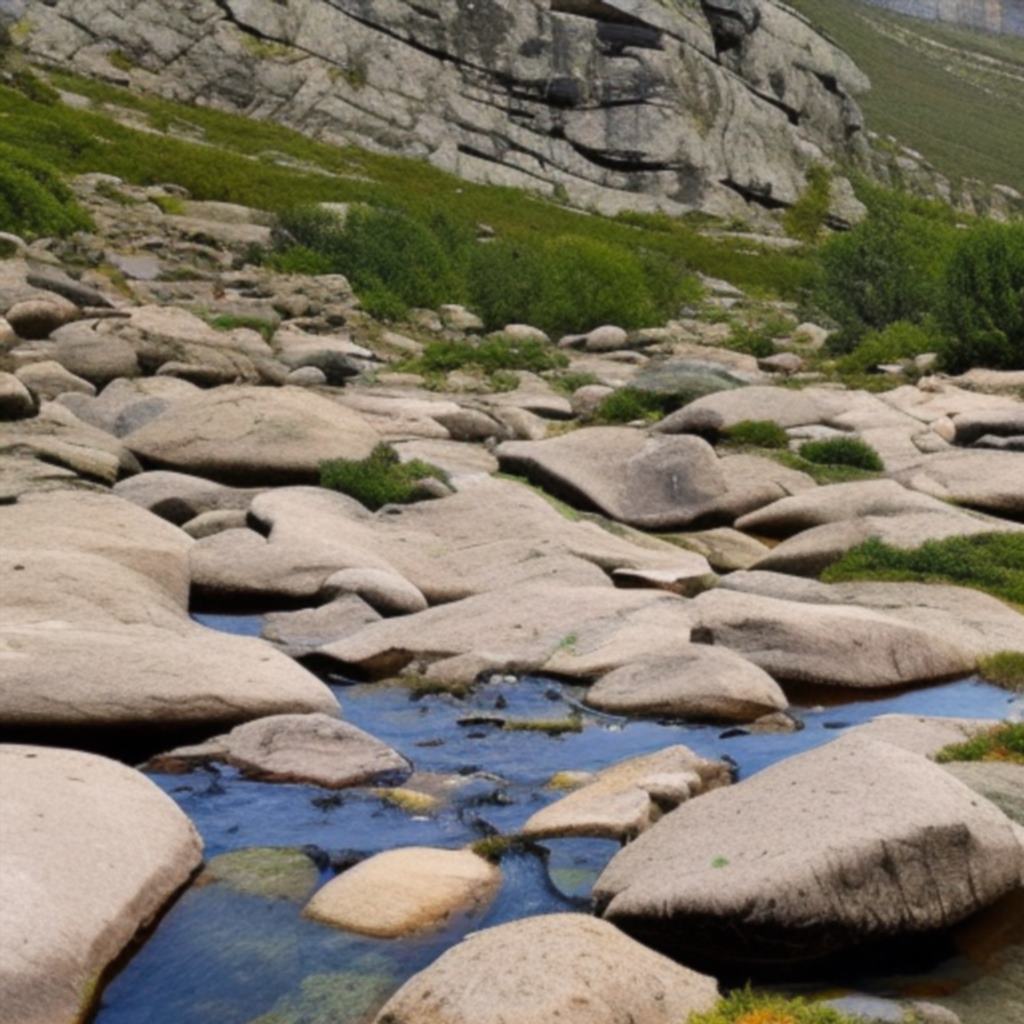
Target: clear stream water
(224,957)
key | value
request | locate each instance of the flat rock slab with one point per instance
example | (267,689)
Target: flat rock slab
(921,734)
(837,503)
(407,891)
(253,436)
(92,852)
(703,683)
(569,968)
(852,842)
(627,798)
(991,481)
(314,749)
(827,645)
(718,412)
(998,781)
(579,632)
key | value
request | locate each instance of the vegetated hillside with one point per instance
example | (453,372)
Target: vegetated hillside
(955,95)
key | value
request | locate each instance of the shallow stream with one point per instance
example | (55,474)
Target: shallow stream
(220,956)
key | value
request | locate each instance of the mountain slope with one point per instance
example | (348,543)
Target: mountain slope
(952,94)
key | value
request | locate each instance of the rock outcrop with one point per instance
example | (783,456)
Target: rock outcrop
(615,103)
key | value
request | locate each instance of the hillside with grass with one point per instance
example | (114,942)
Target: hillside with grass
(953,94)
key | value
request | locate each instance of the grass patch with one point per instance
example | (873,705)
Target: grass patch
(747,1007)
(1003,743)
(380,479)
(757,434)
(992,562)
(229,322)
(758,339)
(821,474)
(170,206)
(420,686)
(568,382)
(492,355)
(842,451)
(34,201)
(629,404)
(1004,669)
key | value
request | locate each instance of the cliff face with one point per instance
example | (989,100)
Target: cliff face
(672,104)
(1003,17)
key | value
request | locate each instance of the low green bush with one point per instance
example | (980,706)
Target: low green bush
(568,382)
(228,322)
(993,562)
(1006,668)
(1003,743)
(494,354)
(843,451)
(378,480)
(34,201)
(899,341)
(820,473)
(747,1007)
(805,219)
(628,404)
(757,434)
(983,299)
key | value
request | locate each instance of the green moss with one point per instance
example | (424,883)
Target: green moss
(120,60)
(567,382)
(409,800)
(379,479)
(420,686)
(494,848)
(843,451)
(748,1007)
(1004,669)
(264,871)
(172,206)
(629,404)
(757,434)
(342,997)
(1003,743)
(821,474)
(550,726)
(992,562)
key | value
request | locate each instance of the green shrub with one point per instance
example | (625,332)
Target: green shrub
(1003,743)
(491,355)
(628,404)
(1004,669)
(393,260)
(983,293)
(229,322)
(746,1007)
(993,562)
(34,202)
(757,434)
(898,342)
(566,285)
(842,451)
(568,382)
(378,480)
(805,219)
(821,473)
(888,268)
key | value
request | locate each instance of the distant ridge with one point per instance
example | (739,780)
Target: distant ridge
(1002,17)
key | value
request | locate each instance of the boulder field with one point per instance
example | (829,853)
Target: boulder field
(670,606)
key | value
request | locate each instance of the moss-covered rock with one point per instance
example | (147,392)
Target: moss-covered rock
(270,872)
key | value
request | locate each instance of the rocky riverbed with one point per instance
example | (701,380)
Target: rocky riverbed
(272,755)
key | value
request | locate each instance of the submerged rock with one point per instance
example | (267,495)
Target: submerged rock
(315,749)
(565,967)
(402,892)
(274,873)
(853,842)
(92,852)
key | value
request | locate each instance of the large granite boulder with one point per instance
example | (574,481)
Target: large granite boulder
(314,748)
(577,632)
(827,645)
(402,892)
(854,842)
(991,481)
(566,967)
(92,852)
(253,436)
(714,414)
(703,682)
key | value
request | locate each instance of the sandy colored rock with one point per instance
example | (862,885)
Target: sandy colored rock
(313,748)
(592,974)
(300,633)
(920,734)
(857,840)
(579,632)
(828,645)
(716,413)
(48,379)
(179,497)
(991,481)
(998,781)
(837,503)
(253,436)
(627,798)
(403,892)
(702,683)
(92,852)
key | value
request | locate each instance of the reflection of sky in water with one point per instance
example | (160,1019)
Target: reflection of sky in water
(221,957)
